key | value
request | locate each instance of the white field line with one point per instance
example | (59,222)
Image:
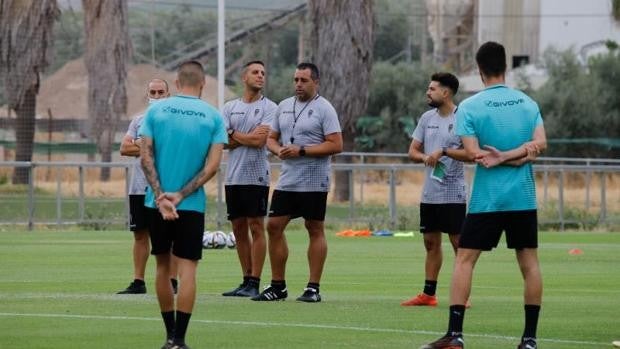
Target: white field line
(313,326)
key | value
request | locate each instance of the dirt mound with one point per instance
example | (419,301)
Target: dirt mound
(65,92)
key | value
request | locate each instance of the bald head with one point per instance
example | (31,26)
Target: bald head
(157,88)
(191,74)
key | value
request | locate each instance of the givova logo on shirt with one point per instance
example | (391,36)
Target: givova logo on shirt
(184,112)
(507,103)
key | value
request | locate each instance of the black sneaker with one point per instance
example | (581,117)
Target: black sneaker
(446,342)
(527,344)
(134,288)
(168,344)
(248,291)
(271,293)
(233,293)
(178,346)
(310,295)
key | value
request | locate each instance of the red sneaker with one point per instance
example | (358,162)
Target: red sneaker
(421,300)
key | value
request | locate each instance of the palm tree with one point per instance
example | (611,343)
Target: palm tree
(107,52)
(25,39)
(341,42)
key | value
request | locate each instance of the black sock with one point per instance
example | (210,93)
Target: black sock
(430,287)
(138,282)
(314,285)
(455,325)
(252,281)
(278,284)
(168,317)
(531,320)
(245,280)
(181,327)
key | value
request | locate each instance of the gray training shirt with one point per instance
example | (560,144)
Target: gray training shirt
(137,184)
(305,124)
(248,165)
(435,132)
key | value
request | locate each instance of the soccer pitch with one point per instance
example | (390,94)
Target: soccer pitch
(57,290)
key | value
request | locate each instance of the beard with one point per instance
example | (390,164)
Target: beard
(435,104)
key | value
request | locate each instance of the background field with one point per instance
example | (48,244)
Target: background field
(57,291)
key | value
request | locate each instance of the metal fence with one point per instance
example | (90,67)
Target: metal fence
(384,193)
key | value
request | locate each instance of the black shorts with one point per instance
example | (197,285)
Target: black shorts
(447,218)
(183,235)
(310,205)
(137,213)
(246,200)
(482,231)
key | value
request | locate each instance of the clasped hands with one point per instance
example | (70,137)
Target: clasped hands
(167,205)
(289,151)
(491,156)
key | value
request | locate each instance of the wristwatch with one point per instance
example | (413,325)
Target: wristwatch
(444,151)
(302,151)
(231,131)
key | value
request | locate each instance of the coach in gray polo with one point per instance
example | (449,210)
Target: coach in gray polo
(304,134)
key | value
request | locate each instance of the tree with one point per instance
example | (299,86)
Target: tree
(341,42)
(579,104)
(396,101)
(107,53)
(25,38)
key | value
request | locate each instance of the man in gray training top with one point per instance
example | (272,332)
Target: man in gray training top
(305,133)
(442,207)
(248,121)
(130,146)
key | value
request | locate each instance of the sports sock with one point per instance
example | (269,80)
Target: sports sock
(531,320)
(455,325)
(245,280)
(430,287)
(252,281)
(314,285)
(181,327)
(279,285)
(138,282)
(168,317)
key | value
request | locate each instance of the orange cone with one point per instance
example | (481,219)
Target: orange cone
(575,251)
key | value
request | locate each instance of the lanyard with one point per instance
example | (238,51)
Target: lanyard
(295,118)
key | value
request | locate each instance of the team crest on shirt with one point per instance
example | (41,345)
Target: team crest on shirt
(256,111)
(310,113)
(450,127)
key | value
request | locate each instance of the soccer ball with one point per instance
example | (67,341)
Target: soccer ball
(214,239)
(230,240)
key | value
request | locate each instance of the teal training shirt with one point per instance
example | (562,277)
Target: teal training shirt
(505,119)
(183,128)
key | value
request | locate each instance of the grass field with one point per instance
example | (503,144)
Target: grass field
(57,291)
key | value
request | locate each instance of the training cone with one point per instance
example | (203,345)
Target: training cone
(575,251)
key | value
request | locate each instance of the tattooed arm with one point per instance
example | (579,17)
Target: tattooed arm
(147,160)
(212,164)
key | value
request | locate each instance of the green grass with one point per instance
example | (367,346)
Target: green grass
(57,291)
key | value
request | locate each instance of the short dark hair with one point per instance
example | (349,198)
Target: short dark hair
(491,59)
(447,80)
(314,70)
(246,65)
(254,62)
(191,73)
